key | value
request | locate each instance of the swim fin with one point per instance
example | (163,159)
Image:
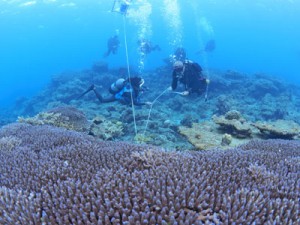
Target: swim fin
(92,87)
(98,95)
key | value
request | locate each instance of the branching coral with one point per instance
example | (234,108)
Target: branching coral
(9,143)
(64,177)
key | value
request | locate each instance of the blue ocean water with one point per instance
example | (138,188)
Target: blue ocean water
(41,38)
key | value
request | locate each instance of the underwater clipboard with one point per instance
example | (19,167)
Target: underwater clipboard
(120,6)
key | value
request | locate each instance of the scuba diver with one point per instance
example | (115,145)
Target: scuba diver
(190,75)
(179,54)
(121,91)
(147,47)
(113,44)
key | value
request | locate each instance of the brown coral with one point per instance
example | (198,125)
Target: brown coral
(231,125)
(278,129)
(205,135)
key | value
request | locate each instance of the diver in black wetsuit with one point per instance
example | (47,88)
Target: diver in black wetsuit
(190,75)
(121,91)
(147,47)
(113,44)
(179,54)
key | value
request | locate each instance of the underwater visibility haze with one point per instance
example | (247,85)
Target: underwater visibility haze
(159,112)
(45,37)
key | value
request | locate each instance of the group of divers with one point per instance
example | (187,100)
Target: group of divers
(128,91)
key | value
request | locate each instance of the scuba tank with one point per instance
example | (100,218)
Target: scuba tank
(117,86)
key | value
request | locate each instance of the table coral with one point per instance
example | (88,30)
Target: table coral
(236,127)
(284,129)
(205,135)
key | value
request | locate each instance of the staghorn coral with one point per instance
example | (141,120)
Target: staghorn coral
(9,143)
(66,177)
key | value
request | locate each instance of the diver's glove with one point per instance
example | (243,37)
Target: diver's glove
(207,81)
(169,88)
(185,93)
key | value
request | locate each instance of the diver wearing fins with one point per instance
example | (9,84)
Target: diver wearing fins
(122,90)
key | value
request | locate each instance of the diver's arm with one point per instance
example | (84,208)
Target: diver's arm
(137,101)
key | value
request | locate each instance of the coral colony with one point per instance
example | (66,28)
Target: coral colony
(55,176)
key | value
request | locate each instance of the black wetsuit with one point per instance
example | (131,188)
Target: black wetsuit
(112,45)
(147,47)
(191,77)
(180,54)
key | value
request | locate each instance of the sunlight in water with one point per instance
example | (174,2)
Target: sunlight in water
(171,11)
(25,4)
(140,16)
(206,26)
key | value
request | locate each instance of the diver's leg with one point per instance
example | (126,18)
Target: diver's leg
(109,99)
(98,95)
(92,87)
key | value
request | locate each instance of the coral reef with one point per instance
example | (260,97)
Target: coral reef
(278,129)
(226,139)
(65,177)
(141,138)
(233,124)
(257,97)
(68,117)
(188,120)
(106,129)
(223,104)
(100,67)
(9,143)
(206,135)
(232,129)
